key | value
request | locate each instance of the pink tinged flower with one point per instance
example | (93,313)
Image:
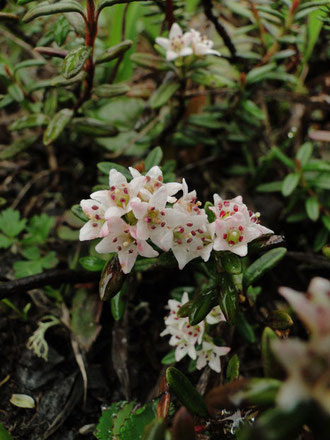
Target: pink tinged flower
(96,227)
(210,354)
(177,45)
(215,316)
(191,239)
(225,208)
(188,203)
(122,239)
(152,219)
(314,308)
(201,45)
(120,194)
(152,181)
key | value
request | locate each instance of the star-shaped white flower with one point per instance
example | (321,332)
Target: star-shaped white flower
(123,240)
(210,354)
(152,181)
(215,316)
(96,227)
(178,43)
(201,45)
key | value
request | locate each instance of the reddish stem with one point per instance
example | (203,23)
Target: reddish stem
(169,13)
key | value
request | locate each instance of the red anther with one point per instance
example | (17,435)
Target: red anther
(235,208)
(112,188)
(240,228)
(152,208)
(94,225)
(126,231)
(122,200)
(113,197)
(181,230)
(162,212)
(189,225)
(147,219)
(199,428)
(224,236)
(160,178)
(193,233)
(162,224)
(222,213)
(178,242)
(130,251)
(190,333)
(95,208)
(125,190)
(189,240)
(231,242)
(148,178)
(115,240)
(240,239)
(119,248)
(188,326)
(195,334)
(200,231)
(157,184)
(199,248)
(97,217)
(219,205)
(226,203)
(153,227)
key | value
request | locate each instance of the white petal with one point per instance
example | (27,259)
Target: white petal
(127,260)
(180,352)
(171,55)
(134,172)
(113,211)
(116,178)
(106,246)
(88,232)
(101,196)
(146,250)
(142,230)
(163,42)
(175,31)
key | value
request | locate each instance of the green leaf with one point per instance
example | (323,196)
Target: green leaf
(18,146)
(154,158)
(57,81)
(278,153)
(210,214)
(61,29)
(279,320)
(290,183)
(185,392)
(31,253)
(154,430)
(269,363)
(57,125)
(105,168)
(30,121)
(111,90)
(260,392)
(79,213)
(28,63)
(27,268)
(163,94)
(326,221)
(49,261)
(93,264)
(258,73)
(74,61)
(38,229)
(16,93)
(119,302)
(232,371)
(228,298)
(10,222)
(5,241)
(304,153)
(322,181)
(114,52)
(252,108)
(4,435)
(150,61)
(201,306)
(270,187)
(93,127)
(262,265)
(135,426)
(245,329)
(107,420)
(169,358)
(317,165)
(312,208)
(320,239)
(232,263)
(55,8)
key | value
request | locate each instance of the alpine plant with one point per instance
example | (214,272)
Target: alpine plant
(143,216)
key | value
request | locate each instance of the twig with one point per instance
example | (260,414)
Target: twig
(207,5)
(52,277)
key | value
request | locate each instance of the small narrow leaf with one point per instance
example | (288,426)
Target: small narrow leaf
(111,90)
(232,371)
(154,158)
(185,392)
(119,301)
(94,127)
(312,208)
(150,61)
(30,121)
(163,94)
(93,264)
(75,61)
(232,263)
(266,262)
(304,153)
(57,125)
(55,8)
(290,183)
(114,51)
(269,363)
(22,401)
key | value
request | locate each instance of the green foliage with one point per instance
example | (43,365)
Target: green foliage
(10,223)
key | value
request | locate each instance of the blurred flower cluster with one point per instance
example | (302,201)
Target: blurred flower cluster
(181,44)
(193,339)
(129,214)
(307,363)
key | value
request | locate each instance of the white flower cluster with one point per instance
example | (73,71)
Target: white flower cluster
(129,214)
(192,339)
(181,44)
